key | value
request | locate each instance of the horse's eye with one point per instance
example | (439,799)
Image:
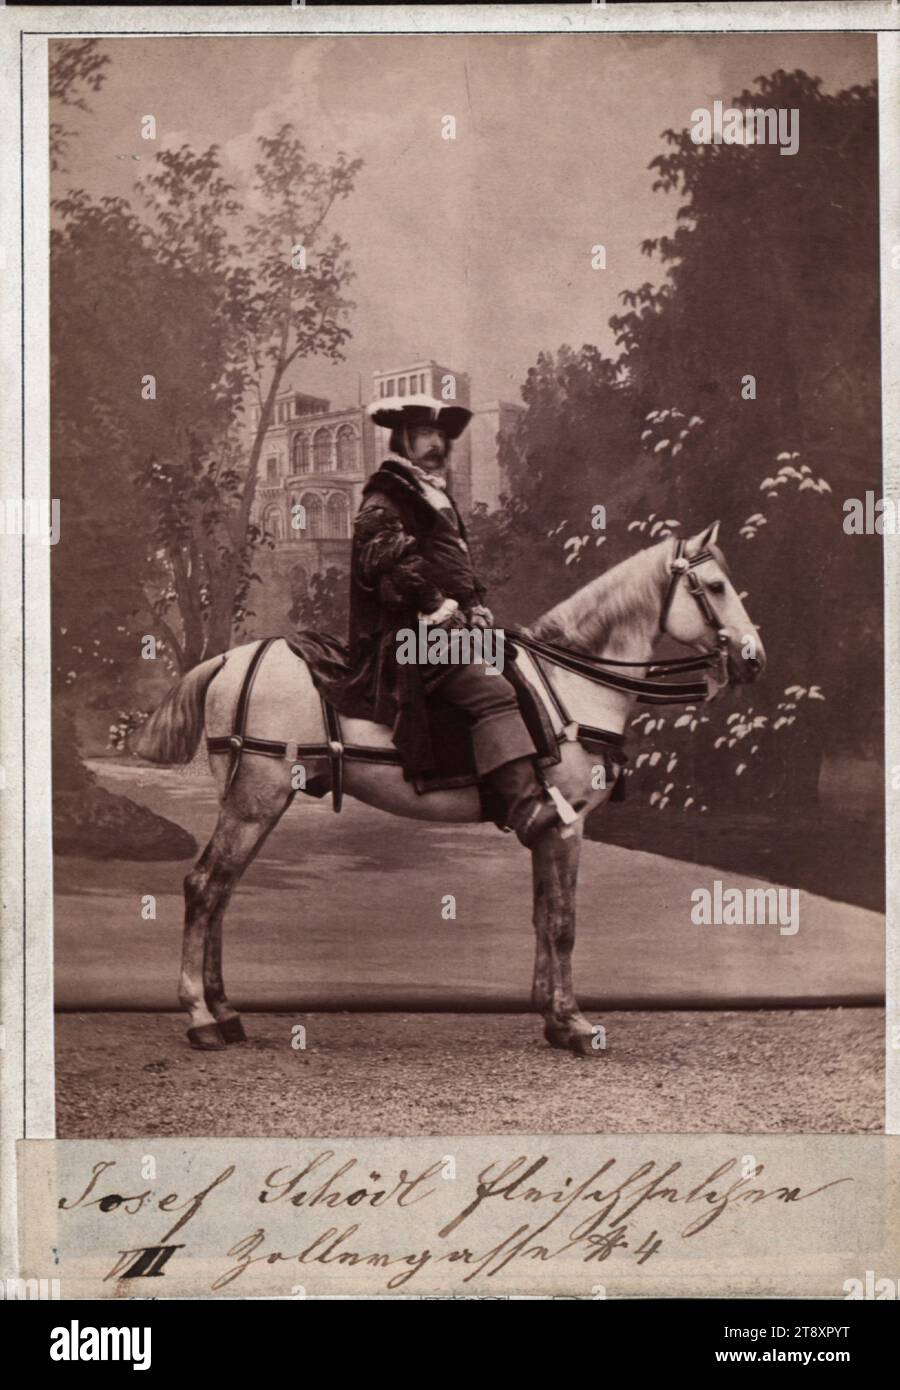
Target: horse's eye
(716,587)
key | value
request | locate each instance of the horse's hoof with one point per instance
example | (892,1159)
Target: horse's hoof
(582,1044)
(206,1038)
(232,1029)
(557,1037)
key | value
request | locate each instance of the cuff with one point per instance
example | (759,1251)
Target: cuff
(440,615)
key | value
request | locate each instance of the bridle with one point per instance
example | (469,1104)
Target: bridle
(647,690)
(682,567)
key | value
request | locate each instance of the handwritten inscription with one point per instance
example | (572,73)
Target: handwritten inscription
(523,1209)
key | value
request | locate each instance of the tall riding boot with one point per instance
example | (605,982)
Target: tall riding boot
(529,810)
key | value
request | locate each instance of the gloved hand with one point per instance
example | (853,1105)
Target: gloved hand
(479,616)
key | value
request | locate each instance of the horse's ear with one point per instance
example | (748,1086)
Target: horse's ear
(708,537)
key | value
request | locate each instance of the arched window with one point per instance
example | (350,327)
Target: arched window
(346,449)
(301,453)
(337,516)
(272,469)
(322,457)
(315,516)
(273,522)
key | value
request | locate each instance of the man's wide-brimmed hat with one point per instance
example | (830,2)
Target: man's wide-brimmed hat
(406,412)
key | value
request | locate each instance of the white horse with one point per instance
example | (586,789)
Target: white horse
(681,589)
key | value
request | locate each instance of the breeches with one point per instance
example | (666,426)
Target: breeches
(489,701)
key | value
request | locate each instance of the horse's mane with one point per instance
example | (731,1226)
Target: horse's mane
(589,617)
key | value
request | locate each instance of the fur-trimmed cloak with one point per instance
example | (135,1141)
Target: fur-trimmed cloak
(407,557)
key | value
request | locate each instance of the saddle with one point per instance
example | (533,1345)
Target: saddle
(360,740)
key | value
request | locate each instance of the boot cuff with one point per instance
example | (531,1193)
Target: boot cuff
(499,739)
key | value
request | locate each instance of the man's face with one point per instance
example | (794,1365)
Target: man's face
(427,446)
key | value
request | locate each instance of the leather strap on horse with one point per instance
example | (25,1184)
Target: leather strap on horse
(648,692)
(335,753)
(572,731)
(682,567)
(236,742)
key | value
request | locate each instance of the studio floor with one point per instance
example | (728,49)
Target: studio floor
(780,1071)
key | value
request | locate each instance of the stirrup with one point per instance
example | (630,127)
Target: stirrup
(563,817)
(566,812)
(532,830)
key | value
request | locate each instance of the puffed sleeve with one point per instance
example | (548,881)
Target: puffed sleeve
(387,557)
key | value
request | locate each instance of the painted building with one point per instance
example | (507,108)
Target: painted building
(312,468)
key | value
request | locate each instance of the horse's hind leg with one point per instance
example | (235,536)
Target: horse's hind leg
(555,874)
(235,843)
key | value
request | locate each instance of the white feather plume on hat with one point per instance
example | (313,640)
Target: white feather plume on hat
(406,412)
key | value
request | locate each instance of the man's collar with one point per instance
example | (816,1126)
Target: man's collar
(430,477)
(419,477)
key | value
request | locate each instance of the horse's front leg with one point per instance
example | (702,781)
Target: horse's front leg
(554,862)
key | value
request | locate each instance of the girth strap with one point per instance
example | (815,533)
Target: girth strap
(335,753)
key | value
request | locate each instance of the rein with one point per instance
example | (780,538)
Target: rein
(648,691)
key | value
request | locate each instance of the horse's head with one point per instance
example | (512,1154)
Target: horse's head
(701,607)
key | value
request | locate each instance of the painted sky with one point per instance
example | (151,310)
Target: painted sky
(475,251)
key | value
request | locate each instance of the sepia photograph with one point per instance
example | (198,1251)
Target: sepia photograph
(447,754)
(434,463)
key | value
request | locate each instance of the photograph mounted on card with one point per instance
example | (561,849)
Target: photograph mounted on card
(449,494)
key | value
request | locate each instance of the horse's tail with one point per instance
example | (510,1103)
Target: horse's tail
(172,732)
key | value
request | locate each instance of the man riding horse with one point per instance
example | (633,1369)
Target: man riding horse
(411,564)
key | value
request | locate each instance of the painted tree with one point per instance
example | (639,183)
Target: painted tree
(771,274)
(92,641)
(325,605)
(765,327)
(563,461)
(76,67)
(277,277)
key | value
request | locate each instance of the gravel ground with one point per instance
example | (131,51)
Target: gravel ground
(122,1075)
